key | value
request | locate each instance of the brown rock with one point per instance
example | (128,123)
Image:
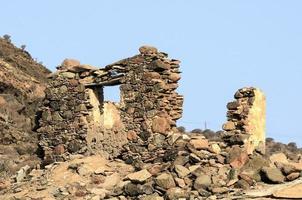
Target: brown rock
(111,181)
(165,181)
(242,184)
(278,157)
(160,125)
(67,63)
(2,101)
(233,105)
(285,168)
(229,126)
(152,75)
(130,110)
(174,77)
(293,176)
(160,65)
(188,181)
(131,135)
(290,192)
(152,197)
(68,75)
(247,178)
(140,176)
(147,50)
(180,182)
(173,86)
(199,144)
(214,148)
(59,149)
(81,68)
(219,190)
(237,157)
(255,163)
(4,184)
(176,193)
(74,82)
(202,182)
(100,192)
(155,169)
(182,171)
(87,80)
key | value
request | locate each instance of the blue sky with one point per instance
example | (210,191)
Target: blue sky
(223,46)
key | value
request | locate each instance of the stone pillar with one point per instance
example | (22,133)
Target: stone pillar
(246,120)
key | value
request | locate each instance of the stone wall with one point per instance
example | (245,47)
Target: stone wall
(246,120)
(75,118)
(63,126)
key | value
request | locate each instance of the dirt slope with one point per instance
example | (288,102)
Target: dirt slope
(22,84)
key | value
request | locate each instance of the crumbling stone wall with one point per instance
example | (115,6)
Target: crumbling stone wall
(63,124)
(246,120)
(75,118)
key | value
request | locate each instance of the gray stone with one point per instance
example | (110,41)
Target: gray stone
(132,189)
(272,175)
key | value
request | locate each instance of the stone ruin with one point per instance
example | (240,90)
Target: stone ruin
(76,119)
(246,120)
(166,163)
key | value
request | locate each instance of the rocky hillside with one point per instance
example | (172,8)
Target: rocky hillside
(22,84)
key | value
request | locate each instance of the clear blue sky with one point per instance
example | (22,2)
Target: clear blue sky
(223,46)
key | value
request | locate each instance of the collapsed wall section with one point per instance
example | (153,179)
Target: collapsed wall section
(246,120)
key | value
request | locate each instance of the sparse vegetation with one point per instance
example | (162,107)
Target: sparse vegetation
(181,129)
(7,37)
(23,46)
(197,130)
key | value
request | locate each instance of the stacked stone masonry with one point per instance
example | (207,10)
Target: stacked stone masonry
(76,119)
(246,120)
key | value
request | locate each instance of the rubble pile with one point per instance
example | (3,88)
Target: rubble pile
(197,169)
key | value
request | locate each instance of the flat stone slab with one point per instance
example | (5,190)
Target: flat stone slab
(291,192)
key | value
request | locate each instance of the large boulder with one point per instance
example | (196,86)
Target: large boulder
(272,175)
